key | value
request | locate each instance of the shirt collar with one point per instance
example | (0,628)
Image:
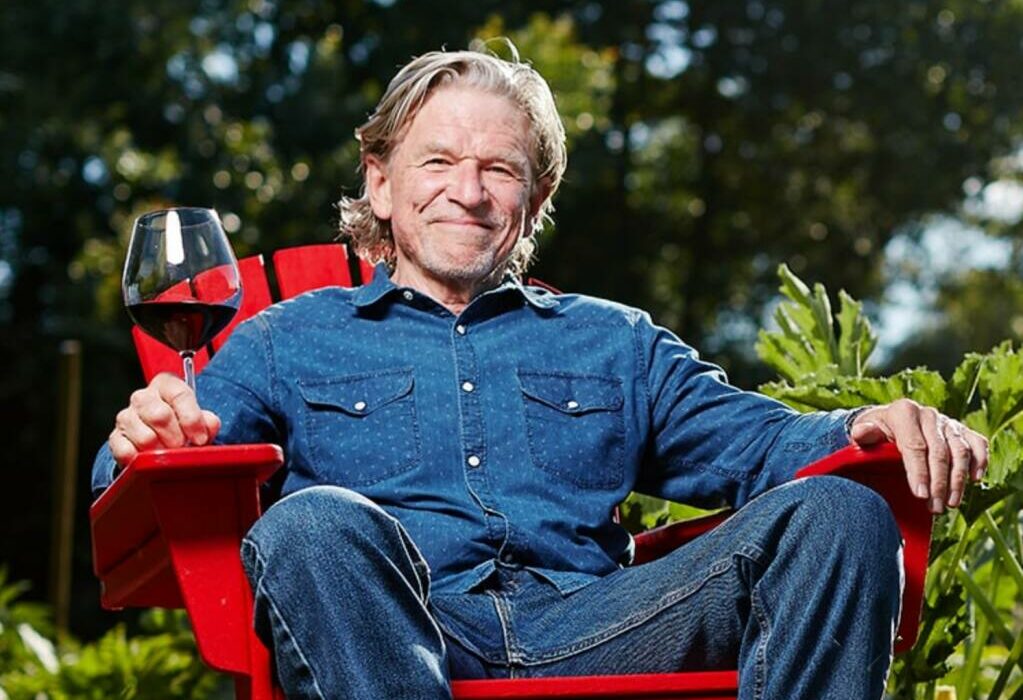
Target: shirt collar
(381,286)
(378,287)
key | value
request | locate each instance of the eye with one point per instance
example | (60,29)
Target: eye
(503,171)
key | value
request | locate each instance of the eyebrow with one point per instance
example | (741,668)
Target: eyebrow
(509,157)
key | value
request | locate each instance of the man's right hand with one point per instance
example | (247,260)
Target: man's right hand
(164,414)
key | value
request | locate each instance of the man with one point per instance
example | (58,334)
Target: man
(456,443)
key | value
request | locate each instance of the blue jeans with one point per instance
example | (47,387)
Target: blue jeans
(799,590)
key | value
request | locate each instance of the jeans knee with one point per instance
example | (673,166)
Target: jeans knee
(845,504)
(312,522)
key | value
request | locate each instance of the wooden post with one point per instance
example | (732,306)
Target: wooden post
(69,401)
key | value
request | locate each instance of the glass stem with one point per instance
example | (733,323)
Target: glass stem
(189,365)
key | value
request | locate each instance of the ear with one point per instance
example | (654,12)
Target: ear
(378,186)
(540,193)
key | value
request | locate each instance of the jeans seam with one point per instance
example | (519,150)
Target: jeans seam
(280,618)
(506,631)
(639,618)
(760,652)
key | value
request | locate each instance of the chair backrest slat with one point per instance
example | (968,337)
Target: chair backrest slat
(255,295)
(298,270)
(310,267)
(155,357)
(365,271)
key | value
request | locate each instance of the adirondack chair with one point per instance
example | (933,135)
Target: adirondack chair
(167,532)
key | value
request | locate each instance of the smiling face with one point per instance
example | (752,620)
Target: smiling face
(457,191)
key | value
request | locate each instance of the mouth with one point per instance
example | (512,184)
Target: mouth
(465,223)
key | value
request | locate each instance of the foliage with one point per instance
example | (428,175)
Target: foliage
(710,140)
(161,663)
(970,624)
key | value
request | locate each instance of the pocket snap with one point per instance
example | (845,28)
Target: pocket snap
(361,428)
(575,427)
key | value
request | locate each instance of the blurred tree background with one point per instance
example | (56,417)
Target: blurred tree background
(874,146)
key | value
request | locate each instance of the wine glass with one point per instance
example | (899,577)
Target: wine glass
(181,283)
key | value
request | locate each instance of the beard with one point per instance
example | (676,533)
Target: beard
(464,268)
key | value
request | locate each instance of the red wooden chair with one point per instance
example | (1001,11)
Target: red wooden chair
(167,532)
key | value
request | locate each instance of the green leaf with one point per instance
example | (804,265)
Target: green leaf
(948,625)
(805,342)
(979,498)
(963,385)
(1000,384)
(828,390)
(856,338)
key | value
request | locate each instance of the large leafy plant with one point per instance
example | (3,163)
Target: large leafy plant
(159,663)
(970,627)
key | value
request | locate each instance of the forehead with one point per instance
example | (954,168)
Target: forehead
(468,118)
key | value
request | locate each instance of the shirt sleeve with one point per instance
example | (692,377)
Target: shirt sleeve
(712,444)
(238,385)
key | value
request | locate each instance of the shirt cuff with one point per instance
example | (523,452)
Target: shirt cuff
(850,418)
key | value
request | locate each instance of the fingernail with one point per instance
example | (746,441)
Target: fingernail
(953,499)
(978,474)
(922,491)
(200,439)
(937,506)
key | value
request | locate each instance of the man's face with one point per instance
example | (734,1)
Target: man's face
(457,188)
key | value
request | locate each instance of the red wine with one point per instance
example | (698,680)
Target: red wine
(183,325)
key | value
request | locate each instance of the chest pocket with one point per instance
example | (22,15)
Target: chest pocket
(361,428)
(575,427)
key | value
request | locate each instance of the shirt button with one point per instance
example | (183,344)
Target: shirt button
(360,406)
(468,386)
(407,294)
(572,405)
(460,329)
(473,461)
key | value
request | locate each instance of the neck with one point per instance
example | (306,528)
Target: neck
(453,294)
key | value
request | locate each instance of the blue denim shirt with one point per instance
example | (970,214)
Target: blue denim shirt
(504,436)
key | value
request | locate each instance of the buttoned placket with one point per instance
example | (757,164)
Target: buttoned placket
(474,452)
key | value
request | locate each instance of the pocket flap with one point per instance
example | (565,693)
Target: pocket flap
(572,393)
(357,394)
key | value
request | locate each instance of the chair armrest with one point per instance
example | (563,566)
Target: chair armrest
(167,533)
(880,468)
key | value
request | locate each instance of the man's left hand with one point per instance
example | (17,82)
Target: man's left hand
(939,453)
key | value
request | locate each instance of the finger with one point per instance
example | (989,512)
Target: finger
(979,449)
(939,457)
(121,448)
(160,417)
(868,433)
(962,456)
(212,421)
(189,417)
(133,429)
(905,425)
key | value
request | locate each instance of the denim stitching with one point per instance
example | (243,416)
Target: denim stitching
(717,568)
(506,633)
(276,612)
(615,412)
(406,400)
(760,653)
(271,362)
(415,558)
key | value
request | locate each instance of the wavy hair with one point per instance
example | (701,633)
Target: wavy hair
(478,68)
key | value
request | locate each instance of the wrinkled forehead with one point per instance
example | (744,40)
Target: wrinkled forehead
(466,85)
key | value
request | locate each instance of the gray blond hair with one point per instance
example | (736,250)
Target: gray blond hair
(479,68)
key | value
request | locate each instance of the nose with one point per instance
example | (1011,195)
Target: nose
(466,186)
